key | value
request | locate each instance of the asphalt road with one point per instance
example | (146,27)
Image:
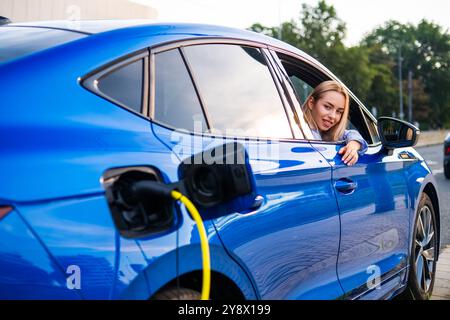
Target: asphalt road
(434,156)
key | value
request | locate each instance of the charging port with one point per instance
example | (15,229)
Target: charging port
(136,217)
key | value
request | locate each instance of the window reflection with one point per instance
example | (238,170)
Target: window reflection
(176,102)
(238,90)
(125,85)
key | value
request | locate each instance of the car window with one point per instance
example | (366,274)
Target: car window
(373,130)
(304,78)
(357,120)
(16,42)
(124,85)
(176,102)
(238,90)
(301,87)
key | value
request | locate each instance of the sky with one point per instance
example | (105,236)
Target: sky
(361,16)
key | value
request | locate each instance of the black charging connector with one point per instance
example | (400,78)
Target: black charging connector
(219,181)
(148,188)
(140,203)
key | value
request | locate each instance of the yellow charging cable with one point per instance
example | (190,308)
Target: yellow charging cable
(206,286)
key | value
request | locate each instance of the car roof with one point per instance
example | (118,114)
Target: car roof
(83,26)
(122,29)
(119,30)
(134,27)
(90,27)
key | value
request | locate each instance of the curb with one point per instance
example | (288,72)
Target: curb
(441,290)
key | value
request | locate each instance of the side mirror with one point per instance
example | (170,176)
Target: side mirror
(395,133)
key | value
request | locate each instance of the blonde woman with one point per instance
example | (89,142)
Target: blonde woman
(326,112)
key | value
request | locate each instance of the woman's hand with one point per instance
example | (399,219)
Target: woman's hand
(350,152)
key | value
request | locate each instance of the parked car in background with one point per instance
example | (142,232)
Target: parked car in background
(447,156)
(90,106)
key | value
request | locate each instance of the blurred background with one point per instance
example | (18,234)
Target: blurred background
(394,55)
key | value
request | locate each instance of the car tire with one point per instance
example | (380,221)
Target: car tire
(422,264)
(177,294)
(447,171)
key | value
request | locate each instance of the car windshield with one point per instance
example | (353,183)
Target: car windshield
(17,42)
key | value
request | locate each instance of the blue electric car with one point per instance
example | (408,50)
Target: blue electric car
(88,107)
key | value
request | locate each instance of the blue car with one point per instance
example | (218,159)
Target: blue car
(88,107)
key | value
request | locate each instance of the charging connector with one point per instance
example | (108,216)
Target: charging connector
(144,188)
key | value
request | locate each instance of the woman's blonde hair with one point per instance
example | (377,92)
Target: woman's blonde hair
(337,131)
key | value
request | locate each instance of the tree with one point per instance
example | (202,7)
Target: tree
(383,91)
(422,110)
(425,49)
(370,70)
(317,31)
(320,33)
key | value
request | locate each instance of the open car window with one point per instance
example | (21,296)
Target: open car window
(303,77)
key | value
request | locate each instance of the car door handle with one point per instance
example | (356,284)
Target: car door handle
(345,185)
(257,202)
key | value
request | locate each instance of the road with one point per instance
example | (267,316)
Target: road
(434,155)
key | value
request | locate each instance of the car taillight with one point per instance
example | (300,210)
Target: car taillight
(447,150)
(4,210)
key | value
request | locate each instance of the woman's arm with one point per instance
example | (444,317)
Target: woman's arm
(353,135)
(355,146)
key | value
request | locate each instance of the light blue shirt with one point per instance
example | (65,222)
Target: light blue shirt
(349,135)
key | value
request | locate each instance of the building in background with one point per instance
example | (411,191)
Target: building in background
(38,10)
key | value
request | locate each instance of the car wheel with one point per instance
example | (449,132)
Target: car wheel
(447,171)
(177,294)
(423,257)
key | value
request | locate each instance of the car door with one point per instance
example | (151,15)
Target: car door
(372,197)
(222,92)
(374,207)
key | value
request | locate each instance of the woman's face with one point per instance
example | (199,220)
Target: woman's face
(327,111)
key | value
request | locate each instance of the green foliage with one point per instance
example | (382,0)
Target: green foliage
(321,29)
(370,70)
(425,50)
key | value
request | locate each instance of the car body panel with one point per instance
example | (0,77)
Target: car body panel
(264,240)
(80,232)
(190,259)
(27,270)
(79,138)
(375,217)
